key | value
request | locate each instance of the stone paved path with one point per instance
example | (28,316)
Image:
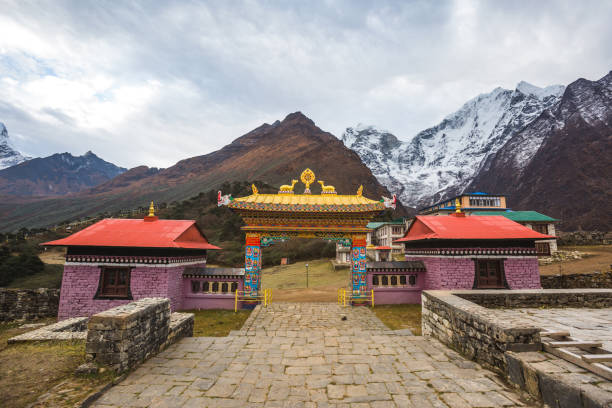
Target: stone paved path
(305,355)
(584,324)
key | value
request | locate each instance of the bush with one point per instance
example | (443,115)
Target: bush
(24,264)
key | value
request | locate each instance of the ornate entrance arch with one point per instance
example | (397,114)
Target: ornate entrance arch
(285,215)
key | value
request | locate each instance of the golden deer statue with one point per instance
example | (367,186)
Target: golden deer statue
(326,189)
(287,189)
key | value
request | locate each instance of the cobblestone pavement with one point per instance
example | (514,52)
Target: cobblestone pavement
(584,324)
(306,355)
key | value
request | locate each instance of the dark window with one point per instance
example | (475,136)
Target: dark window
(489,274)
(234,287)
(205,287)
(115,282)
(224,287)
(375,280)
(402,279)
(542,248)
(195,286)
(385,280)
(541,228)
(215,286)
(393,280)
(412,280)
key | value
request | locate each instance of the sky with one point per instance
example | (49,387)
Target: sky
(154,82)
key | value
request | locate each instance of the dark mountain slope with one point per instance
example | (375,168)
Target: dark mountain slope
(570,175)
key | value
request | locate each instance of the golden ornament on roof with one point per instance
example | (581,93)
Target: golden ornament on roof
(360,190)
(255,190)
(152,210)
(307,177)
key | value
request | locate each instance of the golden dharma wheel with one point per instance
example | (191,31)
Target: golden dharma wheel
(307,177)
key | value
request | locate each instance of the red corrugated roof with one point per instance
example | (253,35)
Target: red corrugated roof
(152,233)
(467,227)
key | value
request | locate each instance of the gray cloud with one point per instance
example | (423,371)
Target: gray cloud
(154,82)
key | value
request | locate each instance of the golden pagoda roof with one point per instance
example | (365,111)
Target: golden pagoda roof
(306,203)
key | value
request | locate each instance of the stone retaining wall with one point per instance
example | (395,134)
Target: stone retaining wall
(125,336)
(594,298)
(469,329)
(28,304)
(578,280)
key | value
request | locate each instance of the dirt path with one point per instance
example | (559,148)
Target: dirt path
(600,260)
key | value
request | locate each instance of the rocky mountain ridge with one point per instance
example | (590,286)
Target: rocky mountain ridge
(442,160)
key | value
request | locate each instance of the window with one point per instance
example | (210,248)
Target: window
(115,282)
(542,248)
(489,274)
(215,286)
(205,287)
(195,286)
(385,280)
(393,280)
(224,287)
(402,279)
(234,287)
(412,280)
(375,280)
(541,228)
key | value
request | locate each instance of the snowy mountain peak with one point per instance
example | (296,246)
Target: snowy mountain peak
(444,159)
(8,156)
(541,93)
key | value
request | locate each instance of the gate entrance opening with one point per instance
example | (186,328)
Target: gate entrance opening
(285,215)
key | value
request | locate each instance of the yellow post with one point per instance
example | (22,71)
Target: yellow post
(236,301)
(372,298)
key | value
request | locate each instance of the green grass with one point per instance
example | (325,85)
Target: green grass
(397,317)
(320,273)
(217,323)
(51,278)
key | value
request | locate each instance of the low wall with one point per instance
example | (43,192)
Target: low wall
(28,304)
(470,329)
(578,280)
(125,336)
(595,298)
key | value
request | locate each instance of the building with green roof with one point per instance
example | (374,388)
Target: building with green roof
(534,220)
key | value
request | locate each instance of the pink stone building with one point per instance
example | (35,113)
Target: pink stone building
(116,261)
(459,252)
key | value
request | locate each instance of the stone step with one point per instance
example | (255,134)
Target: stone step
(597,358)
(578,343)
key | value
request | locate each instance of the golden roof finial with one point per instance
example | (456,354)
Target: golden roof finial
(307,177)
(360,190)
(152,210)
(457,206)
(255,190)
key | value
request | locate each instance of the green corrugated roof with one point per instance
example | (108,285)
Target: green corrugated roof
(519,216)
(374,225)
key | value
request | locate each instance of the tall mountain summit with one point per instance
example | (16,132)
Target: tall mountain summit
(8,156)
(549,149)
(442,160)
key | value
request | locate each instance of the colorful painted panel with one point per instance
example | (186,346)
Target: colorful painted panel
(252,268)
(359,269)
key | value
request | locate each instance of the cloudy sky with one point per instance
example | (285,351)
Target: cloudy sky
(146,82)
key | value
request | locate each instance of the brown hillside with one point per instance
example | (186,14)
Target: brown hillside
(272,153)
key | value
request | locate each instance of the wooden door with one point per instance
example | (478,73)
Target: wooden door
(489,274)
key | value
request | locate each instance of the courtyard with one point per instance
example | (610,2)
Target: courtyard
(310,355)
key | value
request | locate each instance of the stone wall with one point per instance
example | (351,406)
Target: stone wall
(125,336)
(578,280)
(595,298)
(27,304)
(583,238)
(470,329)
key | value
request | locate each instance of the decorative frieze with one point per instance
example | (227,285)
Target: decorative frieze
(134,260)
(470,252)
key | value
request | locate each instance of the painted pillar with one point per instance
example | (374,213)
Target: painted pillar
(358,252)
(252,265)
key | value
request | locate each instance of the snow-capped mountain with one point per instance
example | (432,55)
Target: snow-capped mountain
(8,156)
(444,159)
